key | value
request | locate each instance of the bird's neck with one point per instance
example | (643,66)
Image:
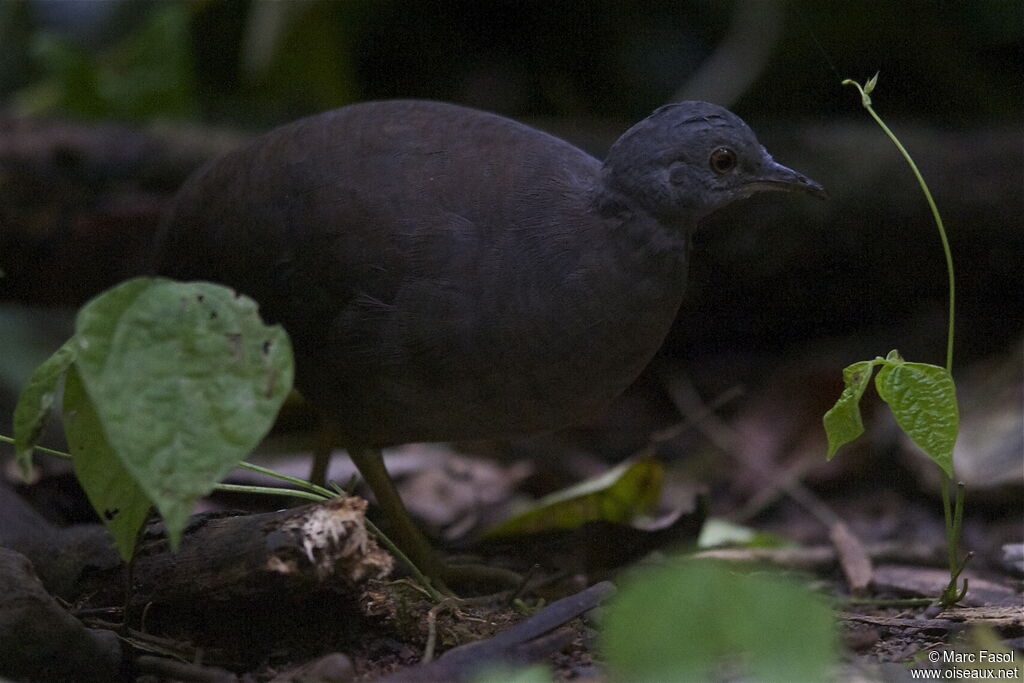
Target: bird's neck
(644,265)
(654,237)
(603,324)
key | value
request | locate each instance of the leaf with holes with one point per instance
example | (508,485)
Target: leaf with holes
(185,379)
(113,493)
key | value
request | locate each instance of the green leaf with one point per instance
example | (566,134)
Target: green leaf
(619,495)
(698,621)
(185,379)
(870,85)
(538,673)
(922,398)
(843,422)
(117,498)
(36,402)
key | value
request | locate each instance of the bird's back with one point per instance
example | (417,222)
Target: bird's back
(444,273)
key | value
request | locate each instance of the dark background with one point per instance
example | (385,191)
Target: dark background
(774,275)
(254,64)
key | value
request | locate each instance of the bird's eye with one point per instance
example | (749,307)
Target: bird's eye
(723,160)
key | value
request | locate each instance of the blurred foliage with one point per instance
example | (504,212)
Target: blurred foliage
(256,62)
(698,621)
(146,74)
(623,494)
(306,60)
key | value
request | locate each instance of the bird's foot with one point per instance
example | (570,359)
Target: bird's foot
(458,578)
(463,575)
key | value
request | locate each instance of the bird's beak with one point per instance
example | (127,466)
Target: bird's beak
(778,177)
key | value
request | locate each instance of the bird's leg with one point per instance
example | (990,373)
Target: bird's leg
(403,530)
(408,537)
(326,440)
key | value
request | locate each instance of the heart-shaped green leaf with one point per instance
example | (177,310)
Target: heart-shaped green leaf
(117,498)
(185,379)
(922,398)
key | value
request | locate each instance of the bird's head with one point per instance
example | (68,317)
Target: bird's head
(688,159)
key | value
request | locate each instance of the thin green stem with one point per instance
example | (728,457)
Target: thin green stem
(62,454)
(958,522)
(942,234)
(269,491)
(866,101)
(418,575)
(958,518)
(951,531)
(301,483)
